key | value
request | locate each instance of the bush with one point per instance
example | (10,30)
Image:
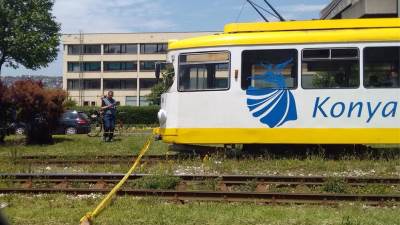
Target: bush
(5,110)
(128,114)
(39,108)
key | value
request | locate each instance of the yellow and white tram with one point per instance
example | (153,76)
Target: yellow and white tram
(298,82)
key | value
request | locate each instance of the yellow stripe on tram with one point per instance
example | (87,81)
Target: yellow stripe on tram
(281,135)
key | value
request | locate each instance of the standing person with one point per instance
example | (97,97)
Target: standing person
(109,107)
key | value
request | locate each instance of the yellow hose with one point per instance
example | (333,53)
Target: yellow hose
(88,218)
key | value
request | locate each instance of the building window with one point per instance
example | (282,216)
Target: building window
(73,67)
(91,66)
(131,100)
(382,67)
(74,49)
(120,49)
(143,101)
(147,83)
(275,69)
(72,84)
(119,84)
(157,48)
(85,67)
(120,66)
(147,65)
(86,103)
(92,49)
(87,49)
(93,103)
(330,68)
(91,84)
(88,84)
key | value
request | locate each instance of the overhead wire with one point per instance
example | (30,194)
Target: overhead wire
(240,12)
(265,10)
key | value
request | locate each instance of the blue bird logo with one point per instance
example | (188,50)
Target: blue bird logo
(272,105)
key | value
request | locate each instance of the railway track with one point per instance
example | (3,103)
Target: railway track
(224,196)
(100,183)
(226,179)
(112,159)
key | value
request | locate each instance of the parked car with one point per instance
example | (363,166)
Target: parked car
(71,122)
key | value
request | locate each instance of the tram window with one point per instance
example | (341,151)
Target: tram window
(338,69)
(382,67)
(275,68)
(204,71)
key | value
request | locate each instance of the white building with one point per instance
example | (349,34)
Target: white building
(124,63)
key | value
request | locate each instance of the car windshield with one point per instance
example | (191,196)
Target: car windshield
(83,115)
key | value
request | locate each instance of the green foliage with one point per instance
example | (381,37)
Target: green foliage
(166,80)
(335,185)
(29,34)
(70,103)
(162,182)
(129,114)
(347,220)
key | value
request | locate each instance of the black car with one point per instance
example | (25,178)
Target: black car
(71,122)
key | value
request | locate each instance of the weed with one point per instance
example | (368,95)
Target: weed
(335,185)
(348,221)
(157,182)
(212,184)
(374,189)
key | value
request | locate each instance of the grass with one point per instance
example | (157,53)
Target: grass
(65,210)
(81,146)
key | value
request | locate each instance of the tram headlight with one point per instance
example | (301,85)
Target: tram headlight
(162,116)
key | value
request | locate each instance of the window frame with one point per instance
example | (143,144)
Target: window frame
(120,63)
(364,63)
(149,70)
(121,46)
(330,59)
(86,82)
(177,74)
(122,80)
(82,67)
(142,49)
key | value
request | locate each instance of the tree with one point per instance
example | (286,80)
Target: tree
(166,80)
(39,108)
(29,34)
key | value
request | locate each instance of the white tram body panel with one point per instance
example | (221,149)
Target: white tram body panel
(343,115)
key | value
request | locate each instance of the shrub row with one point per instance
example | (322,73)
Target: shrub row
(128,114)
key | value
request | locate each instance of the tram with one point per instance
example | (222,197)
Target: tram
(297,82)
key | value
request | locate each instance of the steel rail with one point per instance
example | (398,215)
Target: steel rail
(226,179)
(95,160)
(225,196)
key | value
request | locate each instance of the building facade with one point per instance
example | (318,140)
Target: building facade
(93,64)
(346,9)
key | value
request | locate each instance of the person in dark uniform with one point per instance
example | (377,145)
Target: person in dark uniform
(109,107)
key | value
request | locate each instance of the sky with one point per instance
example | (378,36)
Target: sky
(124,16)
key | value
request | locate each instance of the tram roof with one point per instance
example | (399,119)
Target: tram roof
(298,32)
